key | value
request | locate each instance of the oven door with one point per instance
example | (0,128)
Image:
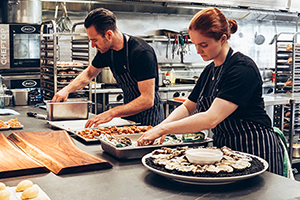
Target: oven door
(24,46)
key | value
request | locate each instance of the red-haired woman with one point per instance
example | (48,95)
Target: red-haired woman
(227,96)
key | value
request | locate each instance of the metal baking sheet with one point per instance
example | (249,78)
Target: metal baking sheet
(96,137)
(134,152)
(74,125)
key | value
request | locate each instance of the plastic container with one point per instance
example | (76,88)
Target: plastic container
(20,97)
(172,76)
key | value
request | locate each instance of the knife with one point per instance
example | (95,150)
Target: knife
(34,114)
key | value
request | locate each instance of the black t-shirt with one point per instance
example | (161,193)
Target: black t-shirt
(240,84)
(142,60)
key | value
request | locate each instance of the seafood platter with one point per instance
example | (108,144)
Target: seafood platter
(124,146)
(233,166)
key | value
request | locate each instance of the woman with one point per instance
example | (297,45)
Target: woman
(227,97)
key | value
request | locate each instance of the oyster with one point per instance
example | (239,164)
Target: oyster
(225,168)
(185,168)
(160,161)
(200,169)
(227,151)
(212,169)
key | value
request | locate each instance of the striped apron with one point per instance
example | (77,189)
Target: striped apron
(242,135)
(129,85)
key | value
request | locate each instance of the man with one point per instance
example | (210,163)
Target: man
(134,65)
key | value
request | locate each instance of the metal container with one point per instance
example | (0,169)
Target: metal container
(135,152)
(23,11)
(70,110)
(107,76)
(296,151)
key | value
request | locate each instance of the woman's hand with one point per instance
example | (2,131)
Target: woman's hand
(149,137)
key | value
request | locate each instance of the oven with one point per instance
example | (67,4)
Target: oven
(20,47)
(20,58)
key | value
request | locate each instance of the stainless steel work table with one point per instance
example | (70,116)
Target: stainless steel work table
(130,180)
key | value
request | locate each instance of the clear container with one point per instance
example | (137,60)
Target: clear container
(172,76)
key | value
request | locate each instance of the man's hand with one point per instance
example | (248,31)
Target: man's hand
(60,96)
(99,119)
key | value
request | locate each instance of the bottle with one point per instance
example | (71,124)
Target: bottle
(168,76)
(172,76)
(2,94)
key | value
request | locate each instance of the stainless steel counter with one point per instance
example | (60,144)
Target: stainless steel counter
(130,180)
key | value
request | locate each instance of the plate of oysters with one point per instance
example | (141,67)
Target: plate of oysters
(232,166)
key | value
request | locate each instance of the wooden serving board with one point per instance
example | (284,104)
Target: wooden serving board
(14,162)
(57,151)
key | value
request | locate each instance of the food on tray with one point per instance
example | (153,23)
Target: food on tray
(14,123)
(290,60)
(124,141)
(2,186)
(30,193)
(24,185)
(288,83)
(4,195)
(290,47)
(232,163)
(91,133)
(62,72)
(3,124)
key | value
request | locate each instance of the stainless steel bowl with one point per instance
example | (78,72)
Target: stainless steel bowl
(70,110)
(296,151)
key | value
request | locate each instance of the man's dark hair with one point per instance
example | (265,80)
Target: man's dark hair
(102,19)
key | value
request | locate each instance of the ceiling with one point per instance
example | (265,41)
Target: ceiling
(236,9)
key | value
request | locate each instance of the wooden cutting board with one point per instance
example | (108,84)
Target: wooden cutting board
(57,151)
(13,162)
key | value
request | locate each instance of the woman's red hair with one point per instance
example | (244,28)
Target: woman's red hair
(212,23)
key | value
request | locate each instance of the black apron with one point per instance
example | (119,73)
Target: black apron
(242,135)
(129,85)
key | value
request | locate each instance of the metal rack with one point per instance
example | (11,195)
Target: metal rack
(287,80)
(58,70)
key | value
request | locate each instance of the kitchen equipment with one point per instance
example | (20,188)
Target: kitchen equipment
(20,97)
(72,109)
(258,38)
(16,163)
(57,152)
(23,11)
(296,150)
(34,114)
(58,69)
(107,76)
(64,23)
(134,152)
(20,48)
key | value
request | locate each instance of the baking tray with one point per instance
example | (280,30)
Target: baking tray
(73,126)
(97,137)
(136,152)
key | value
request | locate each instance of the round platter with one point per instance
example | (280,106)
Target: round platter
(205,180)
